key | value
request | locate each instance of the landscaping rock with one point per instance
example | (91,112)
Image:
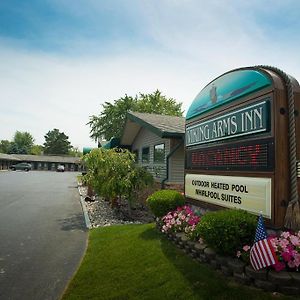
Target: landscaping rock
(184,238)
(296,278)
(203,258)
(222,260)
(265,285)
(236,265)
(210,253)
(283,278)
(199,247)
(192,254)
(178,237)
(242,278)
(191,244)
(214,264)
(260,275)
(101,214)
(226,271)
(170,236)
(289,290)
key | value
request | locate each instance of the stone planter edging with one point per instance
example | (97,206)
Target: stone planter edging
(268,280)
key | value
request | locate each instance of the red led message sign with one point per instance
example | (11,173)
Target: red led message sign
(246,156)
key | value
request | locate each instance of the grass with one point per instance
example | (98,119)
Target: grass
(137,262)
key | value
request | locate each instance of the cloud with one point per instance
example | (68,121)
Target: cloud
(42,92)
(174,46)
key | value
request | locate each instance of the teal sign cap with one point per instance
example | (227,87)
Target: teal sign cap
(227,88)
(86,150)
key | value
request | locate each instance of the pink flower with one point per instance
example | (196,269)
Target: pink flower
(283,243)
(291,264)
(287,256)
(297,260)
(246,248)
(285,234)
(279,266)
(295,240)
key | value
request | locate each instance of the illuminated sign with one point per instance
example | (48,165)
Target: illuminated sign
(239,122)
(245,156)
(249,193)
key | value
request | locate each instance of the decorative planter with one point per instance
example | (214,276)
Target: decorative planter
(268,280)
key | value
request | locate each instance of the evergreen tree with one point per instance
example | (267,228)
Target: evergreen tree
(56,142)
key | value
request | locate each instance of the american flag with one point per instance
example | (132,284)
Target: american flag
(262,253)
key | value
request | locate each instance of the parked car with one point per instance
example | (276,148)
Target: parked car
(21,166)
(60,168)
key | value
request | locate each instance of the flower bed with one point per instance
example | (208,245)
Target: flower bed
(283,277)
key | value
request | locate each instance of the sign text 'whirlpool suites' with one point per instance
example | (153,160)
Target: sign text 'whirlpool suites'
(249,193)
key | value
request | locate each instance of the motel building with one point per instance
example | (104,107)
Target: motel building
(41,162)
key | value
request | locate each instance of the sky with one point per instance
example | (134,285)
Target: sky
(61,59)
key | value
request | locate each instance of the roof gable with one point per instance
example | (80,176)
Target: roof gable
(162,125)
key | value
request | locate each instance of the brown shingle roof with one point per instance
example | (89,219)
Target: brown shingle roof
(164,123)
(48,158)
(4,156)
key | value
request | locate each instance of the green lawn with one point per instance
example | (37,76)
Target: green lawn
(137,262)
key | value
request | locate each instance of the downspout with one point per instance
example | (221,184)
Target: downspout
(168,159)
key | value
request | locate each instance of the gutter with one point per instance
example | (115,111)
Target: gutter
(168,158)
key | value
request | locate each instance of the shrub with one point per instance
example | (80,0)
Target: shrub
(227,230)
(164,201)
(183,219)
(114,174)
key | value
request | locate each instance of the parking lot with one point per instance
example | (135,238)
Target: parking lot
(42,233)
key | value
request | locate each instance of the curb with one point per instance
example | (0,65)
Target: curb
(85,212)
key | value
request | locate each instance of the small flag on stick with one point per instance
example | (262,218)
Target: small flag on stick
(262,253)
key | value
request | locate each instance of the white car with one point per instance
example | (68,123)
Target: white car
(60,168)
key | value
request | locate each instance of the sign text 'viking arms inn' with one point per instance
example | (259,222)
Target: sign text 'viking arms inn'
(248,120)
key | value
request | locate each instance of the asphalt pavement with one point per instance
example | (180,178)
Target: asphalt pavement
(42,233)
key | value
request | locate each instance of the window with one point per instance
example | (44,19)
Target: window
(159,153)
(145,155)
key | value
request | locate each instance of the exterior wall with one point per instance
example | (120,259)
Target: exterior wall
(176,164)
(146,138)
(37,164)
(52,166)
(4,164)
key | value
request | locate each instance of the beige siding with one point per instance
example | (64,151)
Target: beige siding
(146,138)
(176,164)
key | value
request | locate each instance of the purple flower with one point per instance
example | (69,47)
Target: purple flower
(287,256)
(279,266)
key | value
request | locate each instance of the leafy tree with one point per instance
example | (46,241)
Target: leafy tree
(75,152)
(111,120)
(22,143)
(157,103)
(56,142)
(37,150)
(5,146)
